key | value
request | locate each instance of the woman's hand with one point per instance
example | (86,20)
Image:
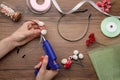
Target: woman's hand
(28,31)
(43,73)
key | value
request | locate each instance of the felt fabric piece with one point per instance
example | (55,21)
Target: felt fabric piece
(106,62)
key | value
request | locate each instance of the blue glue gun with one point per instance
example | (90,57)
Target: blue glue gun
(52,64)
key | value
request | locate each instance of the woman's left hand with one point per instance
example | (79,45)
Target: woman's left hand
(27,32)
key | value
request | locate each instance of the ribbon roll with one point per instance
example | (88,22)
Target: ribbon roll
(38,8)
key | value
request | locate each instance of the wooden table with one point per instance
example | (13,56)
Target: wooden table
(14,67)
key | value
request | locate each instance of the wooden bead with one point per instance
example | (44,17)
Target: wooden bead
(81,56)
(40,23)
(75,52)
(64,61)
(44,32)
(75,57)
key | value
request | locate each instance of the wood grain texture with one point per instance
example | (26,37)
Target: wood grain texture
(14,67)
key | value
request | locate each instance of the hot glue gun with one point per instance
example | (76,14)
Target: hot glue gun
(52,64)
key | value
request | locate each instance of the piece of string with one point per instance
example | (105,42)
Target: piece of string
(73,40)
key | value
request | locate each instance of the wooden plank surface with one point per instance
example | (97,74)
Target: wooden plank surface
(14,67)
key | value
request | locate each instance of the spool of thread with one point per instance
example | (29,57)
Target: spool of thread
(15,16)
(38,8)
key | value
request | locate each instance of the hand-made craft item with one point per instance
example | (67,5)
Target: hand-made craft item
(110,27)
(75,58)
(52,64)
(91,40)
(15,16)
(105,5)
(79,38)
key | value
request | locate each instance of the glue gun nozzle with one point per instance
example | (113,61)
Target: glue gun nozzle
(43,37)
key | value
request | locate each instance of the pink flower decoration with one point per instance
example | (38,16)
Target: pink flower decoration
(91,40)
(68,64)
(105,5)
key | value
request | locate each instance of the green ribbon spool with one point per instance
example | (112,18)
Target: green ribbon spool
(110,27)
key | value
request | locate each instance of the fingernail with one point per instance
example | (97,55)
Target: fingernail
(46,56)
(37,66)
(39,31)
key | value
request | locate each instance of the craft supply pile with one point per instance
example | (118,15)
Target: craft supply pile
(109,27)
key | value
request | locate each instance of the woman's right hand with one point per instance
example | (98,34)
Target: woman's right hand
(43,73)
